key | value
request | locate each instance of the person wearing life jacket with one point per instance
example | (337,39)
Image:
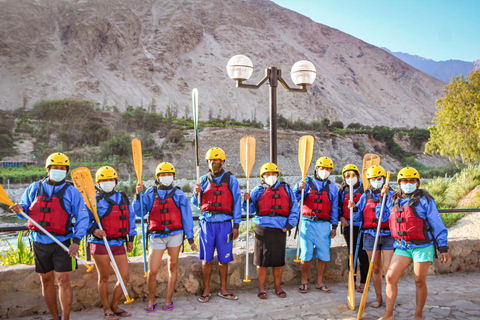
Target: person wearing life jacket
(169,219)
(417,227)
(344,217)
(220,204)
(118,222)
(366,212)
(319,212)
(276,210)
(53,202)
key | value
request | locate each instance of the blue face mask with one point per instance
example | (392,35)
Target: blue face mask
(57,175)
(376,184)
(408,187)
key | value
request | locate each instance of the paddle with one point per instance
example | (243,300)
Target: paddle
(247,158)
(361,308)
(82,178)
(370,159)
(357,248)
(138,164)
(305,153)
(351,279)
(4,198)
(195,126)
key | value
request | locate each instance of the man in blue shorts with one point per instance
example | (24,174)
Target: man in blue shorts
(319,211)
(220,199)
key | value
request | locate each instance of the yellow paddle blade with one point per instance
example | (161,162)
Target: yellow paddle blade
(363,302)
(370,159)
(137,158)
(351,286)
(247,154)
(305,153)
(82,178)
(4,198)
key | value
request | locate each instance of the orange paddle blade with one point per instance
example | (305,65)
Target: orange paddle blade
(137,158)
(363,302)
(305,154)
(4,198)
(370,159)
(82,178)
(247,154)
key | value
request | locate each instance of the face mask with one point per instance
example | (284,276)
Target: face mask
(271,180)
(408,187)
(353,181)
(376,184)
(323,174)
(166,180)
(215,166)
(57,175)
(107,186)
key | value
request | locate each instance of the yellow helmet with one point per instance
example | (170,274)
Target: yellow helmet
(105,173)
(215,153)
(164,167)
(350,167)
(375,172)
(324,162)
(268,167)
(408,173)
(57,159)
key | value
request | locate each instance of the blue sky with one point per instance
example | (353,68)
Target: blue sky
(435,29)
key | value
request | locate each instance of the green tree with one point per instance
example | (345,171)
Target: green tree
(456,130)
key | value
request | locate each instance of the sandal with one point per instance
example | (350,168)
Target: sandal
(281,294)
(167,307)
(228,296)
(360,289)
(122,313)
(262,295)
(324,288)
(303,288)
(110,316)
(151,308)
(204,298)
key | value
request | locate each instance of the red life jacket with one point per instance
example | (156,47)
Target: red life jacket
(317,204)
(217,197)
(164,214)
(370,220)
(346,198)
(50,212)
(406,224)
(274,202)
(115,221)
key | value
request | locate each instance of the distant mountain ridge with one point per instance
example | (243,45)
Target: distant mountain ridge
(442,70)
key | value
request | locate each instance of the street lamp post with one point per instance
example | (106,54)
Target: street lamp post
(303,73)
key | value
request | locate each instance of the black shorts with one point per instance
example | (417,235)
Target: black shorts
(269,247)
(51,256)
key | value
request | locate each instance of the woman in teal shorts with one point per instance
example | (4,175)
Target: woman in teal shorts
(416,225)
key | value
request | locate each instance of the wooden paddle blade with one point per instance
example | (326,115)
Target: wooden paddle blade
(351,286)
(363,302)
(247,154)
(137,158)
(82,178)
(4,198)
(370,159)
(305,154)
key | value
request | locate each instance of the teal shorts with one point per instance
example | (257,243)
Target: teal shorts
(424,254)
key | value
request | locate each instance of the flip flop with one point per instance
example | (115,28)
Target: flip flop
(110,316)
(262,295)
(204,299)
(151,309)
(303,288)
(167,307)
(360,289)
(324,288)
(227,296)
(281,294)
(122,313)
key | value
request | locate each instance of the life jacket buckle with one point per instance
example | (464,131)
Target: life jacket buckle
(162,201)
(217,193)
(216,204)
(276,207)
(122,207)
(44,223)
(164,210)
(400,220)
(166,222)
(46,199)
(123,217)
(401,233)
(400,209)
(317,200)
(44,209)
(122,230)
(218,185)
(275,196)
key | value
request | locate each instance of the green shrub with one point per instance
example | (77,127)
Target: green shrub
(187,188)
(120,144)
(22,254)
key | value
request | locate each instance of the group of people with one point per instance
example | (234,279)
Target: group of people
(410,226)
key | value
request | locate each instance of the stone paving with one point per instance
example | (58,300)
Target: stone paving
(451,296)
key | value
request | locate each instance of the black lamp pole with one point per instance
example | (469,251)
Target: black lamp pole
(274,76)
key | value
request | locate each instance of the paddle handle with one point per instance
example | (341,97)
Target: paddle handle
(351,215)
(199,195)
(247,250)
(299,227)
(357,249)
(145,273)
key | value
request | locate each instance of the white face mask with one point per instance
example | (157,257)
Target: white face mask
(107,186)
(351,181)
(323,174)
(271,180)
(376,184)
(166,180)
(57,175)
(408,187)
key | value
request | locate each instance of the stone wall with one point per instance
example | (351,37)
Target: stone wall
(20,289)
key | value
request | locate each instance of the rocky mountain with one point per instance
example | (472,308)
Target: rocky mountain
(442,70)
(152,53)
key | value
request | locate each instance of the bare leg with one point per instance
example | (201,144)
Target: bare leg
(262,276)
(154,262)
(122,264)
(377,274)
(102,263)
(49,294)
(305,269)
(277,276)
(420,270)
(320,271)
(173,253)
(223,269)
(397,266)
(206,271)
(64,293)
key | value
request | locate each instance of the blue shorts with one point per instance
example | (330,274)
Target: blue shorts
(315,234)
(384,242)
(214,235)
